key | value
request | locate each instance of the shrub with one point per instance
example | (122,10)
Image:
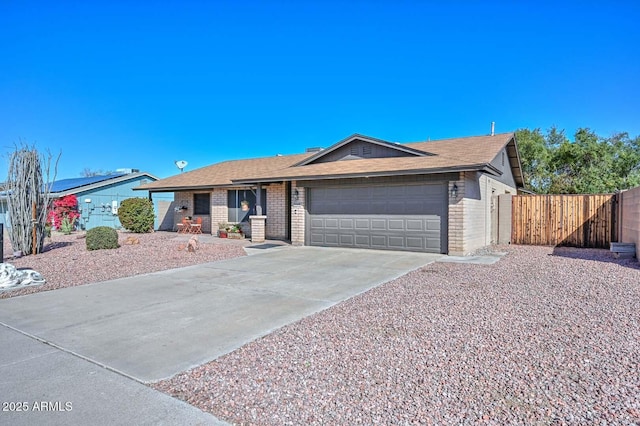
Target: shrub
(102,237)
(64,208)
(67,226)
(137,215)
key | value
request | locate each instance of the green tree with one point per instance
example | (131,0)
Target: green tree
(626,164)
(588,164)
(535,156)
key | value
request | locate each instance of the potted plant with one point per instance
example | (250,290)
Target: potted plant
(222,229)
(235,231)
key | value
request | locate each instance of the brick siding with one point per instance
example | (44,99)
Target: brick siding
(298,212)
(470,214)
(276,217)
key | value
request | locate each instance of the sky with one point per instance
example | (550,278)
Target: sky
(140,84)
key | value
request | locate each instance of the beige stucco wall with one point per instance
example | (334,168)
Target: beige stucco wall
(471,213)
(630,218)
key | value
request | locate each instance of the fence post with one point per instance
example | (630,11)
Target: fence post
(617,217)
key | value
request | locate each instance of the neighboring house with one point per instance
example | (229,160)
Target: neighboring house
(361,192)
(100,196)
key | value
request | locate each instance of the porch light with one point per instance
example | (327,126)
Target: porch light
(454,190)
(296,195)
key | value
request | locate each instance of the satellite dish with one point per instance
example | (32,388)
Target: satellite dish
(181,164)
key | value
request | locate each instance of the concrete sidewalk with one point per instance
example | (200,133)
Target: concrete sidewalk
(43,385)
(153,326)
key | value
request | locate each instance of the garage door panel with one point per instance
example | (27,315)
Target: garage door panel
(347,240)
(363,224)
(415,243)
(378,241)
(416,225)
(396,242)
(396,224)
(363,241)
(433,225)
(433,243)
(331,239)
(317,238)
(409,217)
(346,224)
(330,223)
(378,224)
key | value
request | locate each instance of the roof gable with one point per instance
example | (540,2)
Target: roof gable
(447,155)
(478,149)
(357,147)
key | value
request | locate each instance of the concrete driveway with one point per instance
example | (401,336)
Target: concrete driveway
(153,326)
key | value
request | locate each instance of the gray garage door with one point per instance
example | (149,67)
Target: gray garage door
(391,217)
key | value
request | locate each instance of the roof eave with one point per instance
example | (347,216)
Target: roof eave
(515,156)
(188,187)
(437,170)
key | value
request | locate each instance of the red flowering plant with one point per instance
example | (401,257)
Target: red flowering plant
(64,213)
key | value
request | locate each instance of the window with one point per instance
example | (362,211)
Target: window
(242,204)
(201,203)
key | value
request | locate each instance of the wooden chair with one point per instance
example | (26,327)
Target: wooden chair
(196,228)
(183,227)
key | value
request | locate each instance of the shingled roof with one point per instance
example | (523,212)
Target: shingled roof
(223,174)
(448,155)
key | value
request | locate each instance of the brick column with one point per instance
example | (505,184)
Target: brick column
(257,228)
(456,217)
(219,210)
(298,210)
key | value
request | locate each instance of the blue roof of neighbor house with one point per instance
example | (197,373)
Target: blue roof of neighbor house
(67,184)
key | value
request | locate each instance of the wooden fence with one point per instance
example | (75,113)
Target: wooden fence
(564,220)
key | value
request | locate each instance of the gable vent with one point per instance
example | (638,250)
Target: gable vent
(354,150)
(367,150)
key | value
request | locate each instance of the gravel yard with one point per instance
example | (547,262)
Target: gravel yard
(66,262)
(544,336)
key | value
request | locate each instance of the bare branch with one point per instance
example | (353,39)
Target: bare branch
(27,189)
